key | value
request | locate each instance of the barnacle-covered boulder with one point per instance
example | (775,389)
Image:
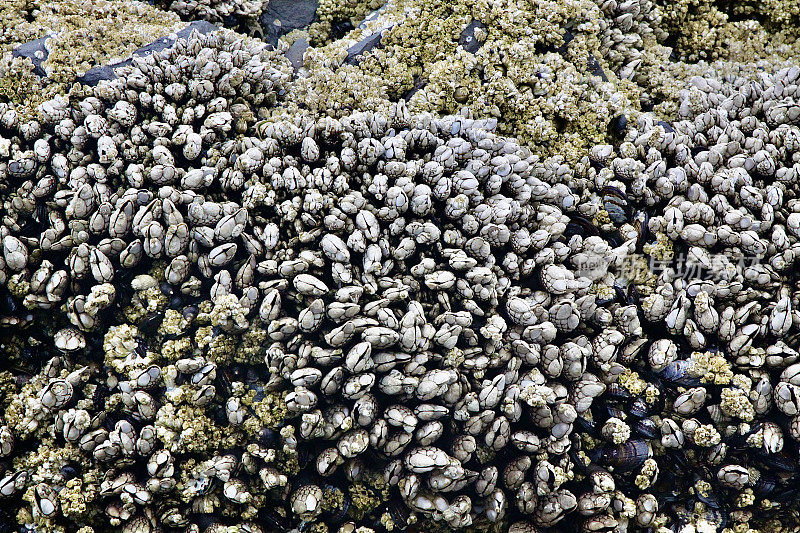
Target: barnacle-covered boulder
(244,286)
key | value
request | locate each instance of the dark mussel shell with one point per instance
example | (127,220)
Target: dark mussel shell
(639,407)
(716,516)
(399,512)
(613,411)
(582,226)
(337,516)
(647,428)
(37,223)
(141,347)
(269,517)
(643,426)
(642,225)
(621,293)
(619,124)
(69,471)
(617,392)
(677,460)
(150,323)
(614,239)
(605,300)
(205,521)
(589,426)
(667,126)
(190,312)
(615,202)
(766,484)
(713,500)
(676,374)
(166,289)
(599,413)
(626,457)
(778,461)
(12,312)
(267,436)
(633,296)
(738,441)
(626,295)
(788,494)
(682,511)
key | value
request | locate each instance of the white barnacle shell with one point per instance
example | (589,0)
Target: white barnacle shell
(309,150)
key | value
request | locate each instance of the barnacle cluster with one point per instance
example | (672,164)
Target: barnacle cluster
(535,69)
(514,266)
(710,30)
(232,12)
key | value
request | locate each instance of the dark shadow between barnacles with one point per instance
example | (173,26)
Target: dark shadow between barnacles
(12,312)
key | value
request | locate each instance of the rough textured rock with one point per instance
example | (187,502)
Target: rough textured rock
(296,51)
(284,16)
(35,51)
(468,41)
(362,47)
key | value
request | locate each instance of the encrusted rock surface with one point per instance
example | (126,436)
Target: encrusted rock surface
(37,52)
(414,265)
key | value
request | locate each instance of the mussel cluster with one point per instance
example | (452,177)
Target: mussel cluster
(219,315)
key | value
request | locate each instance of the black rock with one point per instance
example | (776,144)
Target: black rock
(284,16)
(467,40)
(596,69)
(568,36)
(372,40)
(372,16)
(103,72)
(363,46)
(295,53)
(30,50)
(200,26)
